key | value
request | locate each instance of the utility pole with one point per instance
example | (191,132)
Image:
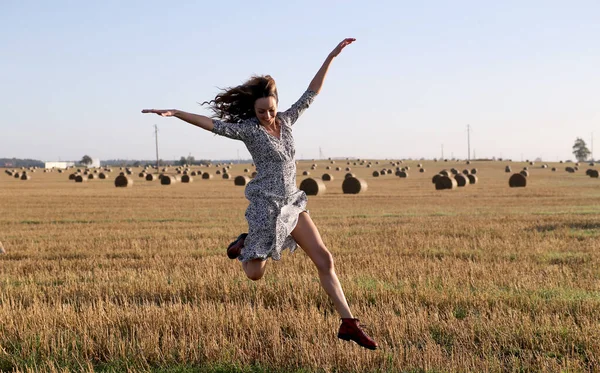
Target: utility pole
(156,135)
(592,146)
(468,142)
(442,151)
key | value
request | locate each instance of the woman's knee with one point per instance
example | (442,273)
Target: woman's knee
(325,261)
(254,270)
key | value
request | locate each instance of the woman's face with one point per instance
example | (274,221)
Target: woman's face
(266,110)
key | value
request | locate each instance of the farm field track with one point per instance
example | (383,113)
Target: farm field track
(480,278)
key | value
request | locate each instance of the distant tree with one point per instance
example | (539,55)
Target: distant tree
(183,161)
(86,160)
(191,160)
(580,150)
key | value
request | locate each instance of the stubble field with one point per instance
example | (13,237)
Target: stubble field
(481,278)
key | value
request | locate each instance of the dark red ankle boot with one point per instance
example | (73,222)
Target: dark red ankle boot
(235,248)
(351,331)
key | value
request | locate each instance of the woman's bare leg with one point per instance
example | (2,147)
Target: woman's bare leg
(255,269)
(307,236)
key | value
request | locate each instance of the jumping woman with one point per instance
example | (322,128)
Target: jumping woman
(277,216)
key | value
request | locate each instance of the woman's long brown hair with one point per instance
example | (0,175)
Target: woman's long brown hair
(236,104)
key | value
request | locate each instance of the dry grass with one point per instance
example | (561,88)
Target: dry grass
(482,278)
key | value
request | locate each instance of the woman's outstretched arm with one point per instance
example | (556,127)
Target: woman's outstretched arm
(317,82)
(195,119)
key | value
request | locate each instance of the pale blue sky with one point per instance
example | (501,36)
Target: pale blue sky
(74,75)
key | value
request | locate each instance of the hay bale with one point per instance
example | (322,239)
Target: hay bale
(187,179)
(445,182)
(472,178)
(17,175)
(254,174)
(348,169)
(207,176)
(553,169)
(592,173)
(454,171)
(445,173)
(353,185)
(72,176)
(524,173)
(421,170)
(338,169)
(80,178)
(305,173)
(150,177)
(241,180)
(466,171)
(167,180)
(123,182)
(389,172)
(517,180)
(402,174)
(349,174)
(218,172)
(313,187)
(570,169)
(375,173)
(507,169)
(461,180)
(226,176)
(24,176)
(102,175)
(327,177)
(435,177)
(474,171)
(91,176)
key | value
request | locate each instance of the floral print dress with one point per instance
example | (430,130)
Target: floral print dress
(275,200)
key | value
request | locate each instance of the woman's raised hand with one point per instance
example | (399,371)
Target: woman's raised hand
(162,113)
(338,49)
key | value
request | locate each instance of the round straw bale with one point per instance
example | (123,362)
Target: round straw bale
(525,168)
(218,172)
(327,177)
(454,171)
(474,171)
(187,179)
(313,187)
(435,177)
(121,173)
(348,169)
(507,169)
(17,175)
(592,164)
(193,173)
(389,172)
(80,178)
(420,165)
(254,174)
(468,162)
(167,180)
(123,181)
(369,166)
(421,170)
(353,185)
(466,171)
(328,168)
(102,175)
(226,176)
(338,168)
(569,169)
(531,163)
(445,173)
(207,175)
(517,180)
(150,177)
(305,173)
(72,176)
(375,173)
(577,164)
(576,168)
(445,182)
(592,173)
(544,166)
(472,178)
(461,180)
(24,176)
(402,174)
(349,174)
(91,177)
(554,169)
(241,180)
(524,173)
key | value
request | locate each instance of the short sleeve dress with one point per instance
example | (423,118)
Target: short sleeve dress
(275,200)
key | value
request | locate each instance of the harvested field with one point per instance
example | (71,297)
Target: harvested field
(483,278)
